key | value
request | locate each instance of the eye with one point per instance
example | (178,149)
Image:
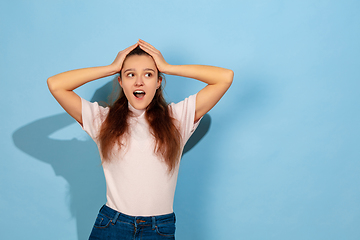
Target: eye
(148,74)
(130,75)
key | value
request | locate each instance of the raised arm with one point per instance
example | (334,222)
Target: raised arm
(218,79)
(62,85)
(218,82)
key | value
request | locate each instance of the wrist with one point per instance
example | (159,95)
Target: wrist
(169,70)
(112,69)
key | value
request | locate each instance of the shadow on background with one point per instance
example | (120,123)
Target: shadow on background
(78,162)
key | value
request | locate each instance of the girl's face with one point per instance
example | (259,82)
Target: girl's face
(139,80)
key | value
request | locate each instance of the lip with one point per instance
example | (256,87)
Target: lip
(139,90)
(139,98)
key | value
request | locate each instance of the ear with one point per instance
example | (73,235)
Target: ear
(159,82)
(120,81)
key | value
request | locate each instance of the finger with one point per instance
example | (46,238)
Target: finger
(143,42)
(132,47)
(146,48)
(122,55)
(147,45)
(149,50)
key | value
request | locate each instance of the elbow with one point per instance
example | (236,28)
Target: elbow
(229,77)
(50,83)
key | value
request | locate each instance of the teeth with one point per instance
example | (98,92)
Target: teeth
(139,93)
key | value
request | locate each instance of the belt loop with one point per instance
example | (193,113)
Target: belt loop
(115,217)
(102,208)
(153,223)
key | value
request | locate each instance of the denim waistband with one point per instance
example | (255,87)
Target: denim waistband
(136,220)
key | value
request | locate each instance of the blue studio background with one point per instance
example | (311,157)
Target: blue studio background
(277,158)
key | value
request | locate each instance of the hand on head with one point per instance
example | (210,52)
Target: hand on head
(119,60)
(160,62)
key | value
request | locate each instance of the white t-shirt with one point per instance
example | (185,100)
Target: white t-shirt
(137,180)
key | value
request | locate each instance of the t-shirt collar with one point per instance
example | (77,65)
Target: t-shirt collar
(137,112)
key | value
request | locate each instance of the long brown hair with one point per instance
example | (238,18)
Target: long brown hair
(162,126)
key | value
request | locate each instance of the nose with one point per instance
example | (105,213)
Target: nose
(139,81)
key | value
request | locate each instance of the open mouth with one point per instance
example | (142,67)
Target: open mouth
(139,94)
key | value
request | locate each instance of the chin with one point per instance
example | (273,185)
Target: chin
(139,106)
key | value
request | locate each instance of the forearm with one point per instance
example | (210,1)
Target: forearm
(207,74)
(75,78)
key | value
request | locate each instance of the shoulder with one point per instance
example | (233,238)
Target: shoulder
(184,113)
(183,107)
(93,115)
(93,108)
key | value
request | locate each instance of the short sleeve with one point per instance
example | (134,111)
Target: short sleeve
(93,116)
(184,112)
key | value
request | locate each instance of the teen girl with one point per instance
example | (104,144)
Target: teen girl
(140,137)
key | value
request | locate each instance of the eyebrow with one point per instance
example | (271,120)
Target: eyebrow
(130,69)
(133,69)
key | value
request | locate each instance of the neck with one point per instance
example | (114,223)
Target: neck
(137,112)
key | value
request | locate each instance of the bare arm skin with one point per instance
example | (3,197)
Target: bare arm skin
(62,85)
(218,79)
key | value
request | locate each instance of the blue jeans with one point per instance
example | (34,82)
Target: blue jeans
(111,224)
